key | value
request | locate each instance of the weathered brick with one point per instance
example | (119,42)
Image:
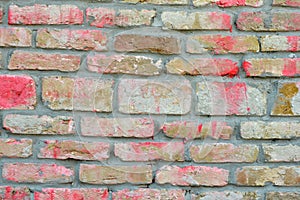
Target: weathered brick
(120,64)
(147,43)
(182,20)
(13,148)
(34,124)
(230,98)
(45,14)
(223,152)
(72,39)
(270,130)
(158,2)
(279,153)
(74,149)
(261,21)
(17,92)
(37,173)
(85,94)
(226,3)
(158,97)
(117,127)
(192,176)
(74,194)
(96,174)
(102,17)
(193,130)
(272,67)
(145,194)
(283,196)
(14,193)
(1,14)
(287,99)
(43,61)
(280,43)
(222,44)
(289,3)
(15,37)
(148,151)
(227,195)
(203,66)
(260,175)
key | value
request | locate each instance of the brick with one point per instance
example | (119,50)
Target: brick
(192,176)
(149,151)
(203,66)
(145,194)
(261,21)
(72,39)
(288,3)
(260,175)
(272,67)
(147,43)
(22,60)
(34,124)
(14,193)
(230,98)
(270,130)
(84,94)
(227,195)
(96,174)
(74,149)
(120,64)
(13,148)
(157,2)
(74,194)
(157,97)
(1,15)
(279,153)
(193,130)
(37,173)
(280,43)
(223,153)
(103,17)
(45,14)
(17,92)
(182,20)
(226,3)
(222,44)
(287,100)
(282,196)
(117,127)
(15,37)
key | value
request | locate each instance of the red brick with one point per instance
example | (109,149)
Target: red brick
(280,43)
(221,44)
(148,151)
(17,92)
(14,193)
(192,176)
(72,194)
(288,3)
(43,61)
(96,174)
(231,3)
(74,149)
(146,194)
(37,173)
(279,21)
(147,43)
(15,37)
(45,14)
(13,148)
(117,127)
(72,39)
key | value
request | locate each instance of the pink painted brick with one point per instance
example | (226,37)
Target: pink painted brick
(72,194)
(37,173)
(146,194)
(17,92)
(117,127)
(1,15)
(45,14)
(15,37)
(280,43)
(72,39)
(192,176)
(287,3)
(148,151)
(13,148)
(231,3)
(74,149)
(14,193)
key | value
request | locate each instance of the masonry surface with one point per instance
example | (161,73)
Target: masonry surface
(150,99)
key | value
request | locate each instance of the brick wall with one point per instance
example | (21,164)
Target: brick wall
(150,99)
